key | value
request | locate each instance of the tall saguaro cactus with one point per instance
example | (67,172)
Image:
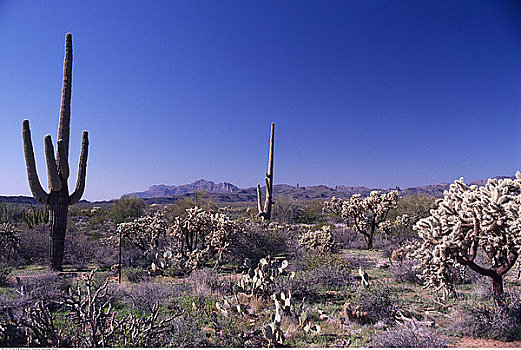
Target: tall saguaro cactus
(58,198)
(266,212)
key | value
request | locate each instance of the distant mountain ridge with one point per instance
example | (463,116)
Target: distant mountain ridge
(225,192)
(155,191)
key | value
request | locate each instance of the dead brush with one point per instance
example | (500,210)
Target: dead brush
(256,303)
(354,313)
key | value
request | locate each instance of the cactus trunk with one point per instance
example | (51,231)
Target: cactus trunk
(497,290)
(266,213)
(58,207)
(58,198)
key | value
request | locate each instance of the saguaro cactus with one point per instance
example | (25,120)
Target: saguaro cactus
(266,212)
(58,198)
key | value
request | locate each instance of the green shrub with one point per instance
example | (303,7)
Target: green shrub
(127,208)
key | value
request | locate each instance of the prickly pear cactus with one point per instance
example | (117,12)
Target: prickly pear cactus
(161,263)
(257,279)
(274,333)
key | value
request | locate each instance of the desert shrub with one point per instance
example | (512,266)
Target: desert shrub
(198,199)
(76,211)
(136,274)
(378,301)
(34,245)
(256,240)
(312,213)
(5,271)
(46,286)
(404,271)
(186,331)
(312,260)
(399,230)
(409,336)
(145,294)
(207,283)
(358,261)
(344,237)
(286,210)
(315,273)
(498,322)
(417,206)
(481,290)
(311,284)
(11,213)
(127,208)
(9,241)
(81,250)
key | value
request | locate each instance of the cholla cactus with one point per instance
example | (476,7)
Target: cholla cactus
(334,206)
(145,232)
(364,214)
(9,238)
(470,222)
(201,236)
(319,240)
(266,212)
(399,229)
(58,197)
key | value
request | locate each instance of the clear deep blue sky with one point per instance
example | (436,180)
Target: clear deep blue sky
(374,93)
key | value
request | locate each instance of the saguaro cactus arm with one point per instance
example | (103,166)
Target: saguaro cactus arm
(63,166)
(269,175)
(65,108)
(82,170)
(32,176)
(53,179)
(259,199)
(272,145)
(266,212)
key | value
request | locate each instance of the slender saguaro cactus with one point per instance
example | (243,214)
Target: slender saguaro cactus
(58,198)
(266,213)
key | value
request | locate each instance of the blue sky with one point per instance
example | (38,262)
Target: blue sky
(375,93)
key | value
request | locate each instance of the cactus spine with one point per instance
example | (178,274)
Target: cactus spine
(266,212)
(58,198)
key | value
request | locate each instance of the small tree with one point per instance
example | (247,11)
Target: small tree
(126,208)
(198,199)
(364,214)
(475,227)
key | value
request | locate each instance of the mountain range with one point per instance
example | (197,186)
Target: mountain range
(226,192)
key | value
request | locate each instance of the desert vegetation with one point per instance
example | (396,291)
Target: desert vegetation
(217,275)
(374,271)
